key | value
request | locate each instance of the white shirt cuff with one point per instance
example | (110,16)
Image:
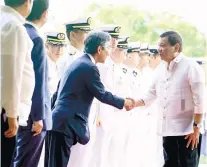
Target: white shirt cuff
(11,113)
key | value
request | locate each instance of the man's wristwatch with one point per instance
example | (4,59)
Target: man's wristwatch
(197,125)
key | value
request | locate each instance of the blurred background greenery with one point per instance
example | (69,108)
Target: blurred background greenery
(146,26)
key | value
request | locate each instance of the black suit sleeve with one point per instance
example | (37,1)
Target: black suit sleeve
(40,67)
(96,87)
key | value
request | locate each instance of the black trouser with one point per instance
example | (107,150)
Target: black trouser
(176,153)
(57,149)
(28,147)
(7,144)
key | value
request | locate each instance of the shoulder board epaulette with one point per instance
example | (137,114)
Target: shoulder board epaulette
(71,53)
(135,73)
(124,70)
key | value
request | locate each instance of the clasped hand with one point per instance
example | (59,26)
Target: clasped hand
(129,104)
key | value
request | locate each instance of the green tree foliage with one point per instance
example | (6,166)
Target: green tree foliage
(146,26)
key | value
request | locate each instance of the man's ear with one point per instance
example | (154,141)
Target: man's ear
(72,34)
(46,45)
(99,49)
(176,48)
(45,14)
(27,2)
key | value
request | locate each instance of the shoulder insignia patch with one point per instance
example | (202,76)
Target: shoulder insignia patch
(71,53)
(124,70)
(135,73)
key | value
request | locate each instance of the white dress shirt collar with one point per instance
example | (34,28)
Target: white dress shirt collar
(175,61)
(178,58)
(92,58)
(8,9)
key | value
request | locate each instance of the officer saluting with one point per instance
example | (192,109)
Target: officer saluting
(76,33)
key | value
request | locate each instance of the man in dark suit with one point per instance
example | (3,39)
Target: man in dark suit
(30,138)
(77,89)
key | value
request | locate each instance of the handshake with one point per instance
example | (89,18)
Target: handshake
(129,104)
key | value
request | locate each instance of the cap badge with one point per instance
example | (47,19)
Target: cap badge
(117,29)
(61,36)
(89,20)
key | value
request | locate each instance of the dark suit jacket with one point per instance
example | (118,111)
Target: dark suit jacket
(77,89)
(40,109)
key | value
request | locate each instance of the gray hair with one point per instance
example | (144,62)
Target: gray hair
(95,39)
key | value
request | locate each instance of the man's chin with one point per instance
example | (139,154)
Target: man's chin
(113,49)
(57,57)
(103,61)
